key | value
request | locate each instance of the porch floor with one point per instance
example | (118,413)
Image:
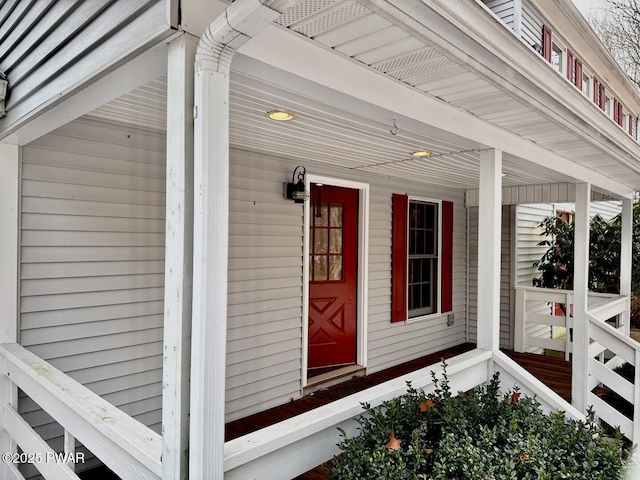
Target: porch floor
(553,372)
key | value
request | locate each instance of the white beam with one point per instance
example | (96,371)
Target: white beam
(142,69)
(178,259)
(626,257)
(9,261)
(314,62)
(489,239)
(580,299)
(241,21)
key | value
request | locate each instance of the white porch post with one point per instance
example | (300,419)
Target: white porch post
(178,259)
(9,260)
(580,293)
(489,220)
(626,258)
(241,21)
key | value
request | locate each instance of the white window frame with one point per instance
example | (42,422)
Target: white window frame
(587,73)
(608,104)
(438,312)
(555,41)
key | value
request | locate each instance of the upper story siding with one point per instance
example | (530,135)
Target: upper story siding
(523,17)
(49,49)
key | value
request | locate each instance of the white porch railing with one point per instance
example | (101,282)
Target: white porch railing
(284,450)
(620,348)
(123,444)
(609,347)
(534,307)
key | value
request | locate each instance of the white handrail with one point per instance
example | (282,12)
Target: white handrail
(126,446)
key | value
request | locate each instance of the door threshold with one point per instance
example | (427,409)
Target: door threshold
(333,377)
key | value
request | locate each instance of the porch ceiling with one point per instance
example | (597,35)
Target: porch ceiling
(360,139)
(326,134)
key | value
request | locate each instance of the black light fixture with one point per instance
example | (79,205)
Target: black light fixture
(295,190)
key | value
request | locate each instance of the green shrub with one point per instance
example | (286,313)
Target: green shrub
(482,435)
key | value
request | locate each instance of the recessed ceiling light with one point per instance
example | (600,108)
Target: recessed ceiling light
(280,115)
(421,153)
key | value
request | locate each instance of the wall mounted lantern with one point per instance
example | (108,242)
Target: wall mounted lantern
(295,190)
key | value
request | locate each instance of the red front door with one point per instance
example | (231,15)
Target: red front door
(333,251)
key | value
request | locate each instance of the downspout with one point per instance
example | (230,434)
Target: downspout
(241,21)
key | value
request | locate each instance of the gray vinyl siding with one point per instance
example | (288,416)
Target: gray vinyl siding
(532,23)
(506,333)
(528,217)
(264,341)
(49,48)
(503,9)
(92,264)
(393,343)
(607,209)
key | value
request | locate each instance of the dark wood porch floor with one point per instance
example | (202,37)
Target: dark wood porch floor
(553,372)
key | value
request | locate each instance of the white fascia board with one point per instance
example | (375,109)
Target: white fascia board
(311,61)
(564,16)
(464,31)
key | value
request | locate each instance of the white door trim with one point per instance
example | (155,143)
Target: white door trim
(363,269)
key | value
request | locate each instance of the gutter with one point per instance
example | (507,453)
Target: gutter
(241,21)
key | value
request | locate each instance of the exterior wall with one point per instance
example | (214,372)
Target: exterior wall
(264,347)
(506,290)
(606,209)
(92,268)
(40,59)
(532,23)
(504,10)
(528,216)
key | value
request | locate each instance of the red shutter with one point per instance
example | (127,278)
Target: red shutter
(630,125)
(546,43)
(399,259)
(447,257)
(616,111)
(603,96)
(570,67)
(579,74)
(620,114)
(596,91)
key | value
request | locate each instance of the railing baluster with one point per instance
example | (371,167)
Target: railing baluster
(636,401)
(70,448)
(519,330)
(567,328)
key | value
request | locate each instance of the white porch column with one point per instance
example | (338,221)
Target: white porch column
(580,287)
(178,259)
(241,21)
(9,260)
(489,221)
(626,258)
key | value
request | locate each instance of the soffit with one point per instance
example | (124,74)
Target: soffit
(337,136)
(328,135)
(353,30)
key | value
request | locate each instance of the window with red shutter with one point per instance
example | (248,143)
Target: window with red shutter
(616,111)
(422,258)
(603,96)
